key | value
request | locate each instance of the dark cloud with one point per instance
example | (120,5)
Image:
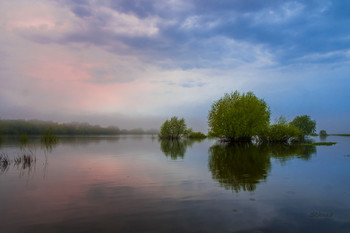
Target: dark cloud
(289,30)
(141,8)
(81,11)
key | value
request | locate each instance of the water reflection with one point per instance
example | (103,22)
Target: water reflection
(284,152)
(48,146)
(4,163)
(176,149)
(240,167)
(23,163)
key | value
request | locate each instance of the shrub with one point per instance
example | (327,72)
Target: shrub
(173,128)
(197,135)
(323,133)
(238,117)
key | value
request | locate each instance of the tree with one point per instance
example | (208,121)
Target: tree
(173,128)
(304,124)
(238,117)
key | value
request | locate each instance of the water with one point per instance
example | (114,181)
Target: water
(137,184)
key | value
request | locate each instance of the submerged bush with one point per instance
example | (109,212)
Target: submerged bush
(323,133)
(197,135)
(173,128)
(282,131)
(238,117)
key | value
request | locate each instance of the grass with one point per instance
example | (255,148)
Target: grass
(320,144)
(48,138)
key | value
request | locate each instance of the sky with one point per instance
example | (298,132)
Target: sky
(136,63)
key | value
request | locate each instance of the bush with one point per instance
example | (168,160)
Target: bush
(238,117)
(281,132)
(173,128)
(323,133)
(197,135)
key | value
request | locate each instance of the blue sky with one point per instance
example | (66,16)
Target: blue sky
(135,63)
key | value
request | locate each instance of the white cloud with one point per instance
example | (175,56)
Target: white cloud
(128,24)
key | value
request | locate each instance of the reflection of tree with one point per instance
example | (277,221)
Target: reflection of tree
(284,152)
(48,145)
(4,163)
(176,149)
(239,166)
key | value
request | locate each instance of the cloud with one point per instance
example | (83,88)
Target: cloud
(161,58)
(287,31)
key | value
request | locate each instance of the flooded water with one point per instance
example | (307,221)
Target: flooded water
(138,184)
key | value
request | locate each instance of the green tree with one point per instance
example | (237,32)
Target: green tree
(304,124)
(238,117)
(173,128)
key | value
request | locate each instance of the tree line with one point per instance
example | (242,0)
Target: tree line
(36,127)
(241,117)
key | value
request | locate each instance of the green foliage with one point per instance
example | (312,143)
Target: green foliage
(238,117)
(173,128)
(304,124)
(197,135)
(282,131)
(323,133)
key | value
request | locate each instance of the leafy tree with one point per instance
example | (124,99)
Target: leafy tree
(173,128)
(238,117)
(304,124)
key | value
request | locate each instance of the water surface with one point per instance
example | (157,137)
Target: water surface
(138,184)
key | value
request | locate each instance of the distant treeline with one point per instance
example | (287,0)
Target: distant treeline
(37,127)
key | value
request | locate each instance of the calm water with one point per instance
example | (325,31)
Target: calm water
(137,184)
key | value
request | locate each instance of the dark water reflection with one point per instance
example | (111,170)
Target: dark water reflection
(133,184)
(240,167)
(176,149)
